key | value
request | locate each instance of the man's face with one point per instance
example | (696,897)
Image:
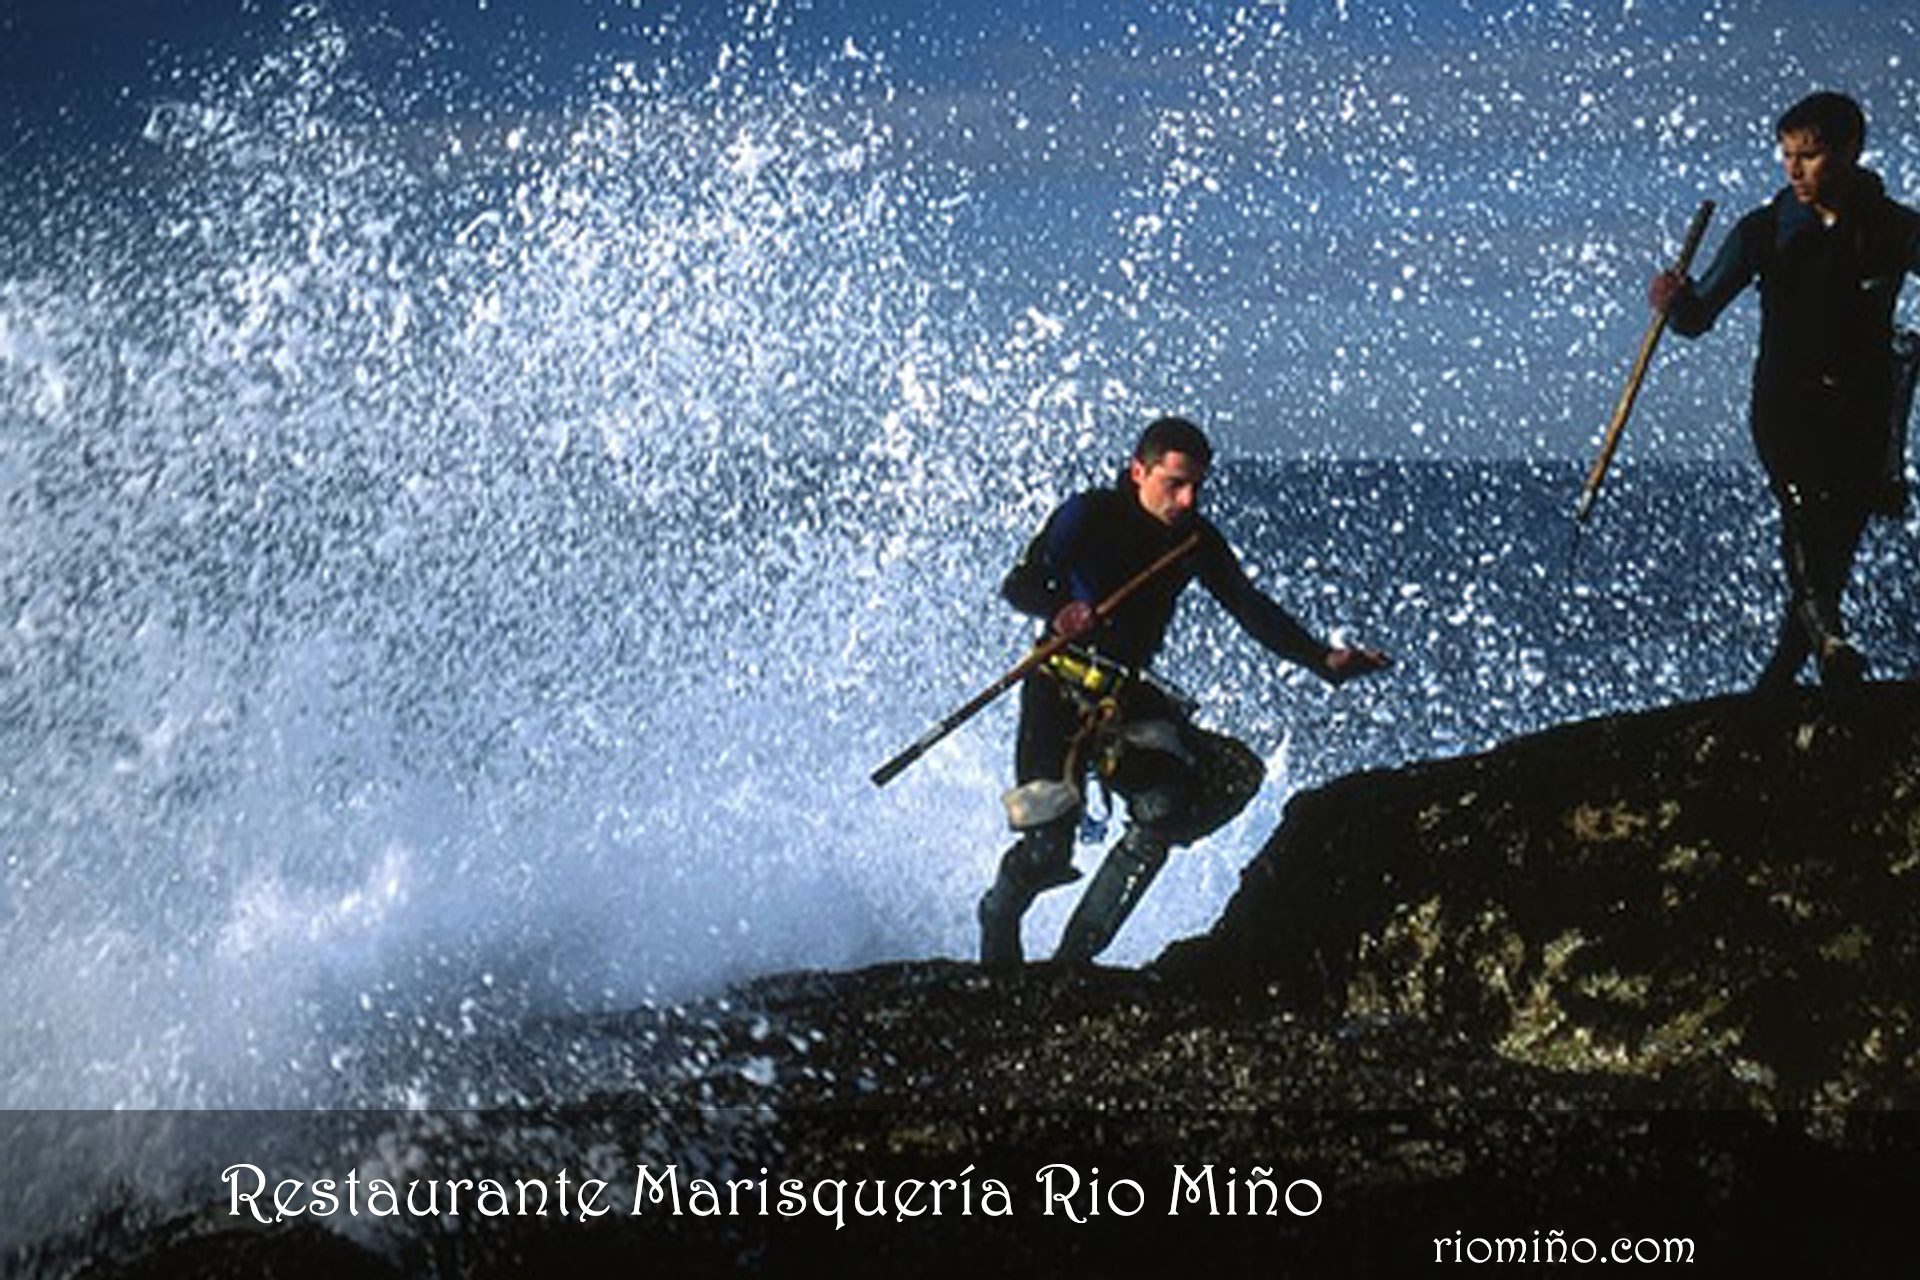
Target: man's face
(1814,170)
(1170,488)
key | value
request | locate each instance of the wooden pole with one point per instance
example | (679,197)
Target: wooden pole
(1611,442)
(1041,652)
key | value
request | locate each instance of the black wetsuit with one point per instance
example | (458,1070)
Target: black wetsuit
(1099,539)
(1180,781)
(1090,546)
(1822,383)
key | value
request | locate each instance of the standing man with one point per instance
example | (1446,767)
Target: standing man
(1829,254)
(1094,711)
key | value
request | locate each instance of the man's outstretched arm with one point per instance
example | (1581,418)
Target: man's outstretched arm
(1263,618)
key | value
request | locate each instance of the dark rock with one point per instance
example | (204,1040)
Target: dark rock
(1724,896)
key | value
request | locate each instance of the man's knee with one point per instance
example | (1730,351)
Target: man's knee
(1192,791)
(1224,778)
(1041,858)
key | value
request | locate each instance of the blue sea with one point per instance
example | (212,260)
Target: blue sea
(461,561)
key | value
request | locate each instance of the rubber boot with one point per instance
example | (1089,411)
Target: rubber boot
(1790,652)
(1841,664)
(1115,890)
(1817,578)
(1041,860)
(1838,661)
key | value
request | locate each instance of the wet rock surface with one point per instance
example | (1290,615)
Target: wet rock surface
(1650,977)
(1722,896)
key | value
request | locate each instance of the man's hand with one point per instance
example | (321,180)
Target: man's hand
(1345,664)
(1665,287)
(1075,619)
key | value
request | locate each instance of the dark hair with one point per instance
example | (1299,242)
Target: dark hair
(1172,435)
(1834,118)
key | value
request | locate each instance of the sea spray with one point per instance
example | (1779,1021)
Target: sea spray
(463,559)
(444,571)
